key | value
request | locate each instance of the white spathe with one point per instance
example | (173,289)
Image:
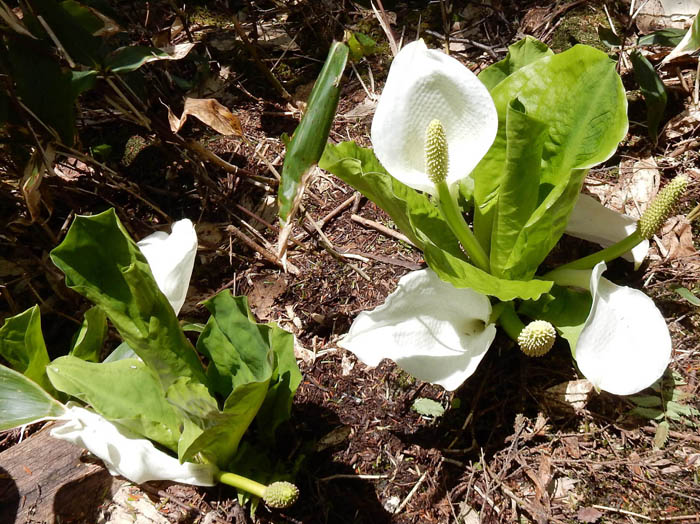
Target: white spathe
(431,329)
(426,84)
(171,258)
(592,221)
(625,345)
(126,453)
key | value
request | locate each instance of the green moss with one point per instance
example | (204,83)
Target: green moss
(580,26)
(134,145)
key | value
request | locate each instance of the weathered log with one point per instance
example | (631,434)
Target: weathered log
(46,480)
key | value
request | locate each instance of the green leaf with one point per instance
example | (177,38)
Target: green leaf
(520,54)
(646,401)
(462,274)
(32,69)
(310,137)
(647,413)
(127,392)
(690,41)
(359,167)
(361,45)
(653,91)
(22,345)
(565,308)
(83,16)
(91,336)
(675,411)
(237,347)
(121,352)
(284,382)
(661,435)
(608,37)
(687,294)
(102,263)
(208,430)
(128,59)
(517,198)
(580,96)
(670,37)
(23,401)
(428,407)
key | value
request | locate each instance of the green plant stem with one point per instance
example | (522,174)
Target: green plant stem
(239,482)
(447,203)
(509,320)
(604,255)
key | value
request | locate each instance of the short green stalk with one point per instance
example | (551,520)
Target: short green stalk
(436,162)
(650,222)
(508,319)
(276,495)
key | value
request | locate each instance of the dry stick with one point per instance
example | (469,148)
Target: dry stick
(267,255)
(329,216)
(623,511)
(272,227)
(259,63)
(411,493)
(381,17)
(382,229)
(326,244)
(56,41)
(145,121)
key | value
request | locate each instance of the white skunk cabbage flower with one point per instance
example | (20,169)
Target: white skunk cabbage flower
(592,221)
(625,345)
(431,329)
(425,85)
(171,258)
(125,453)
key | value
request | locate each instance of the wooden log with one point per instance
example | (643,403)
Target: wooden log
(46,480)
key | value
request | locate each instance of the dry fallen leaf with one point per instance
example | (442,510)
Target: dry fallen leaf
(574,393)
(588,515)
(676,242)
(39,164)
(209,111)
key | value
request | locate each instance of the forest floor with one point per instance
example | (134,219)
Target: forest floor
(512,445)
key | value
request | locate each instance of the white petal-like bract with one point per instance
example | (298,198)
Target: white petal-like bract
(592,221)
(426,84)
(625,345)
(127,454)
(171,258)
(431,329)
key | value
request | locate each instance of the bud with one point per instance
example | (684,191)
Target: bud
(661,207)
(537,338)
(436,160)
(281,495)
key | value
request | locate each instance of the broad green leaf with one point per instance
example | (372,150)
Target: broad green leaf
(121,352)
(359,167)
(646,401)
(428,407)
(284,382)
(420,221)
(89,339)
(670,37)
(237,347)
(675,411)
(23,401)
(104,264)
(127,392)
(580,96)
(653,91)
(687,294)
(462,274)
(83,16)
(208,430)
(33,68)
(565,308)
(310,137)
(517,198)
(519,55)
(22,345)
(647,413)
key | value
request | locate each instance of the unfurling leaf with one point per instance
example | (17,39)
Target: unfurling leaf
(428,407)
(661,436)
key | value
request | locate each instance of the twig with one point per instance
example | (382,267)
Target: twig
(382,229)
(489,49)
(623,511)
(358,477)
(411,493)
(328,246)
(383,22)
(56,41)
(267,255)
(335,212)
(272,227)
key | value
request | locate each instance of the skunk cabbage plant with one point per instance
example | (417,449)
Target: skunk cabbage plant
(154,389)
(547,119)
